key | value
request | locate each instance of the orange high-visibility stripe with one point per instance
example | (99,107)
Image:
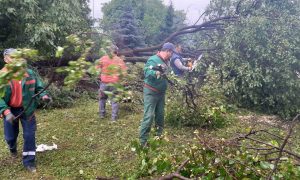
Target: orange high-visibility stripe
(30,82)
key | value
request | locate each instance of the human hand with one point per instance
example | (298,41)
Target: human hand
(158,74)
(47,99)
(10,117)
(190,63)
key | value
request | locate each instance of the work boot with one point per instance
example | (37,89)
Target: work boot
(114,119)
(102,116)
(14,154)
(31,169)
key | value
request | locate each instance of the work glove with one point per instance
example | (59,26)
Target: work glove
(10,118)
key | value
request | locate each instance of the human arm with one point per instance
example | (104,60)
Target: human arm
(180,66)
(148,71)
(4,100)
(39,86)
(5,111)
(4,108)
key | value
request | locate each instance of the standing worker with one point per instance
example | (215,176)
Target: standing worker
(154,92)
(177,62)
(17,96)
(112,70)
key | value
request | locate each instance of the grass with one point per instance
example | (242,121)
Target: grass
(87,146)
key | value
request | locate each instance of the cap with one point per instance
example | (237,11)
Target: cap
(168,46)
(9,51)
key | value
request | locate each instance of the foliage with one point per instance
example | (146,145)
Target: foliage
(62,97)
(152,159)
(207,157)
(77,69)
(167,26)
(97,147)
(15,69)
(125,30)
(41,24)
(215,158)
(261,58)
(201,103)
(149,16)
(81,68)
(73,73)
(257,55)
(134,85)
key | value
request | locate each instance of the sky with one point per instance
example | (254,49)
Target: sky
(193,8)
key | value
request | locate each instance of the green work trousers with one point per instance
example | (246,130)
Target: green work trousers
(154,104)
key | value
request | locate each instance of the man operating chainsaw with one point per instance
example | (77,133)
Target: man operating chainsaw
(177,63)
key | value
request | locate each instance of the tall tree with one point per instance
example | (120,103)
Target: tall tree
(126,32)
(41,24)
(149,14)
(167,26)
(260,54)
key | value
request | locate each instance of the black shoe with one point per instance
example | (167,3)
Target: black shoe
(114,119)
(31,169)
(14,154)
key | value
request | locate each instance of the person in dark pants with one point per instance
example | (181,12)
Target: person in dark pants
(155,87)
(18,94)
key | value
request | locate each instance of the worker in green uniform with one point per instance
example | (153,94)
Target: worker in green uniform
(155,86)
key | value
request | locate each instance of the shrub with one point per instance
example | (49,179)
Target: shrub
(152,160)
(261,59)
(198,105)
(208,157)
(62,98)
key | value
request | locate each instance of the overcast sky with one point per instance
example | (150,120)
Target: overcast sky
(193,8)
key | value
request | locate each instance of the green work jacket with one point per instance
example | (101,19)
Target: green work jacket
(30,86)
(151,79)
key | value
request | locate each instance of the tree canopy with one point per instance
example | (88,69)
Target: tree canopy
(261,57)
(41,24)
(151,17)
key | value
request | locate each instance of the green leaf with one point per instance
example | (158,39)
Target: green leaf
(59,52)
(274,143)
(265,165)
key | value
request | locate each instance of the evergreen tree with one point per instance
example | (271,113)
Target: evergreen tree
(168,25)
(126,33)
(150,18)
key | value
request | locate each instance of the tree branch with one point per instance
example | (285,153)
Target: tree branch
(176,174)
(185,30)
(291,127)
